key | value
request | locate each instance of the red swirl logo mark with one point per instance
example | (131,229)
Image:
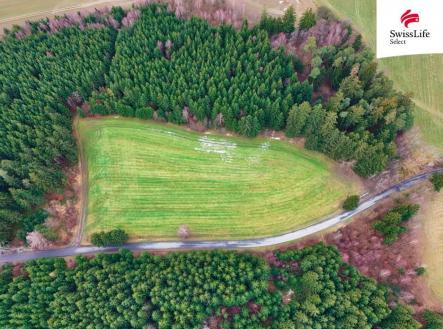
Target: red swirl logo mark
(408,18)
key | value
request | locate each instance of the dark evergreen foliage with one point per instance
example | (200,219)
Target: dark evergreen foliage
(351,202)
(307,20)
(272,25)
(37,74)
(114,237)
(420,270)
(357,42)
(400,318)
(184,290)
(437,180)
(189,71)
(433,320)
(369,111)
(390,225)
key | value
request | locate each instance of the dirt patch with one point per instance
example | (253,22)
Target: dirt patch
(63,208)
(59,10)
(394,265)
(413,157)
(253,9)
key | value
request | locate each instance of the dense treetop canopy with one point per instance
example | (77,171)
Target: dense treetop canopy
(37,74)
(307,288)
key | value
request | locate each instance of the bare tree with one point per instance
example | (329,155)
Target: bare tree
(36,240)
(24,31)
(131,17)
(74,100)
(160,45)
(113,22)
(183,232)
(168,44)
(219,120)
(53,223)
(180,9)
(198,4)
(185,113)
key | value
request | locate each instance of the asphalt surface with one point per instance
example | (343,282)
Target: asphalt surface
(224,244)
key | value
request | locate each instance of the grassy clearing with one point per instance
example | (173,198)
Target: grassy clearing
(419,74)
(12,8)
(150,178)
(254,8)
(433,248)
(18,11)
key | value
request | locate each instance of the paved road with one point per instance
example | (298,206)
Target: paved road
(225,244)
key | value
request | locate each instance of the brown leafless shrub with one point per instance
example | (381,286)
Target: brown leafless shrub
(219,120)
(74,100)
(36,240)
(131,17)
(183,232)
(185,113)
(53,223)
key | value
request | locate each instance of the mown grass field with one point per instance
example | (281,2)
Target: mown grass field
(150,178)
(433,244)
(18,11)
(419,74)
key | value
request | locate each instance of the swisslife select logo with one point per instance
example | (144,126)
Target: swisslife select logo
(409,27)
(400,37)
(408,18)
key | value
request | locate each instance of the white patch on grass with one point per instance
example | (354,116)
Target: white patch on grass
(171,133)
(167,132)
(253,160)
(256,159)
(218,146)
(265,146)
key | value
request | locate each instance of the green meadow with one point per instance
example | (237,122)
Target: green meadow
(150,178)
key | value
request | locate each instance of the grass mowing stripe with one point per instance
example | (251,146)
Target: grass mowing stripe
(149,178)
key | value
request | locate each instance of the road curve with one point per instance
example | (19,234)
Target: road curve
(225,244)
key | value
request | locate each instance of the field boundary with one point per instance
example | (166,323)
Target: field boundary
(83,165)
(19,19)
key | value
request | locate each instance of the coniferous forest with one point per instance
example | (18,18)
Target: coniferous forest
(305,288)
(37,75)
(152,64)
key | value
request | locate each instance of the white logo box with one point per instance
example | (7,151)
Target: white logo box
(419,31)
